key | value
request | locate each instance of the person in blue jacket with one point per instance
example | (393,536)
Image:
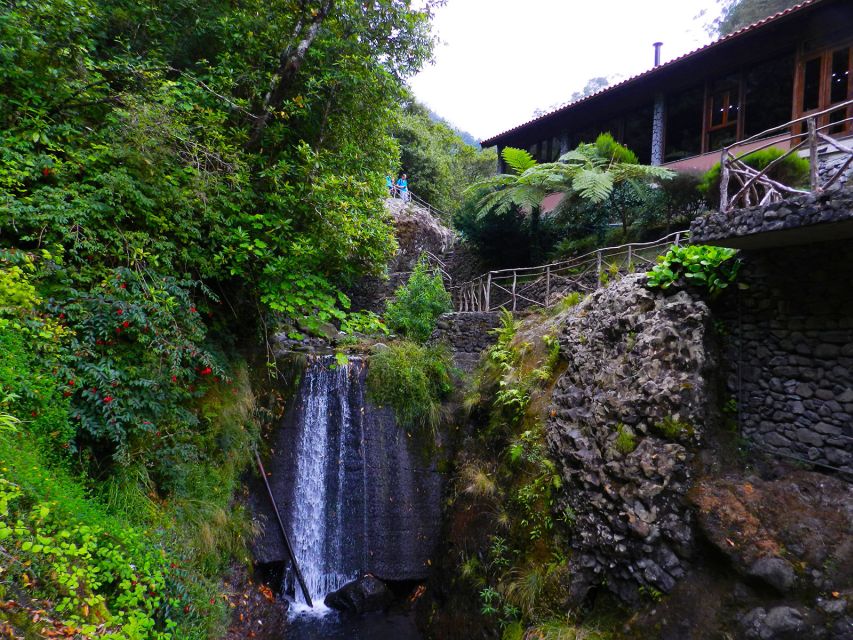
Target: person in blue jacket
(389,183)
(403,188)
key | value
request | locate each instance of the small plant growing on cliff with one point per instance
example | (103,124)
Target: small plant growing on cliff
(625,441)
(412,379)
(673,428)
(710,267)
(417,305)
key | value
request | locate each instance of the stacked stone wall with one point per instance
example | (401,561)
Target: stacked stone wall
(467,334)
(789,339)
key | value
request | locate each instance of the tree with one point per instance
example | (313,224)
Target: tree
(737,14)
(439,163)
(596,173)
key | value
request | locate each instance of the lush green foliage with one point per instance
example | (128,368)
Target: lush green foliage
(602,183)
(417,304)
(713,268)
(439,163)
(152,154)
(793,171)
(413,380)
(625,441)
(162,146)
(103,577)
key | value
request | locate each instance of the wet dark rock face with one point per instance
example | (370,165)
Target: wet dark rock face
(366,594)
(367,501)
(638,367)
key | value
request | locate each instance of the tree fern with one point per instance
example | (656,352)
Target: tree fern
(592,184)
(518,160)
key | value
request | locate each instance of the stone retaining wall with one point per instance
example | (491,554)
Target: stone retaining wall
(792,214)
(790,351)
(467,335)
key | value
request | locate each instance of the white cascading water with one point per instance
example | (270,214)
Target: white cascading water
(317,522)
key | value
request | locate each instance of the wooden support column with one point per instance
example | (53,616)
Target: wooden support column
(488,290)
(514,281)
(813,186)
(598,265)
(547,286)
(724,180)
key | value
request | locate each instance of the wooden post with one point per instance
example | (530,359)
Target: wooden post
(547,286)
(488,290)
(630,268)
(813,185)
(514,280)
(296,570)
(678,239)
(598,265)
(724,180)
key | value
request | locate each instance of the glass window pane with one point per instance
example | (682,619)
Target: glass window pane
(767,102)
(718,109)
(811,85)
(637,133)
(721,138)
(838,82)
(839,115)
(684,124)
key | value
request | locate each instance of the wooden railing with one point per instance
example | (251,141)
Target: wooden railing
(755,187)
(518,289)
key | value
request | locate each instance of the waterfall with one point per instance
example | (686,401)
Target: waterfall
(318,513)
(353,492)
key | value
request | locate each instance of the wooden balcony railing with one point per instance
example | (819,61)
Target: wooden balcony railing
(755,187)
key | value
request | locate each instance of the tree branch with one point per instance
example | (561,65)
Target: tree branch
(289,64)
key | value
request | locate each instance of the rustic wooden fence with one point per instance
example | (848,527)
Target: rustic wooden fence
(754,187)
(519,289)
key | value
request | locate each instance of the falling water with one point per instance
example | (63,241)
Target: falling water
(318,512)
(353,492)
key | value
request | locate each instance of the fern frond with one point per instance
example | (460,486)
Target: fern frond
(592,185)
(518,160)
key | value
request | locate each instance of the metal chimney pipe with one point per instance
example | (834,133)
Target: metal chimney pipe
(657,46)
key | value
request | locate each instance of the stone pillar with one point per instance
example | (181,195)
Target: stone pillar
(658,124)
(564,142)
(501,164)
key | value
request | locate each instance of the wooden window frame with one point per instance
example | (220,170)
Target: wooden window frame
(737,123)
(825,88)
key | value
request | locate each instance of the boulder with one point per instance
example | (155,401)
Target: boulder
(368,593)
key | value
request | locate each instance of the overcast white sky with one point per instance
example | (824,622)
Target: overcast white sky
(500,60)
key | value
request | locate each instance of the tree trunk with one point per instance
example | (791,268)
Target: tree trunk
(290,62)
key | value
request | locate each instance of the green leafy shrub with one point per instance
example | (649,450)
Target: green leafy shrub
(137,359)
(705,266)
(793,171)
(101,576)
(413,380)
(417,305)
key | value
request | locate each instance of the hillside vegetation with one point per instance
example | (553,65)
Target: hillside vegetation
(175,177)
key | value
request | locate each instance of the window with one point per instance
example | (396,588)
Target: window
(684,124)
(722,120)
(823,80)
(768,88)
